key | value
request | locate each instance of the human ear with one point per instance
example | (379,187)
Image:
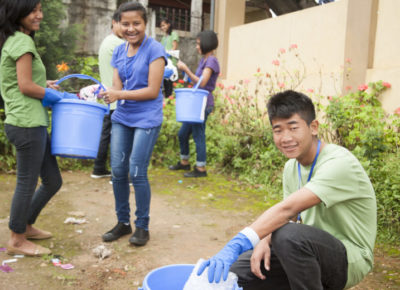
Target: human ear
(314,125)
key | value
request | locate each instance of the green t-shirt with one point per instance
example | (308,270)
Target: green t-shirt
(21,110)
(167,41)
(105,54)
(348,207)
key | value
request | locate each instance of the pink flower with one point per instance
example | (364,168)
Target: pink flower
(181,81)
(348,88)
(163,104)
(282,50)
(189,86)
(310,90)
(347,60)
(281,85)
(275,62)
(231,87)
(397,111)
(387,85)
(246,81)
(362,88)
(293,46)
(171,97)
(220,85)
(329,98)
(267,75)
(258,70)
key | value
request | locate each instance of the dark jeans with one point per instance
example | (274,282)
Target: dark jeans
(131,150)
(198,131)
(167,88)
(302,257)
(34,159)
(100,163)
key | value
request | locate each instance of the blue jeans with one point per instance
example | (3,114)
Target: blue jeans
(198,131)
(302,257)
(131,150)
(34,159)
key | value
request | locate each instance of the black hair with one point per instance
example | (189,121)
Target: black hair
(116,17)
(166,20)
(133,6)
(287,103)
(208,41)
(11,14)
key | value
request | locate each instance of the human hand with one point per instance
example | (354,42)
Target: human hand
(52,84)
(51,97)
(110,95)
(219,264)
(261,252)
(181,65)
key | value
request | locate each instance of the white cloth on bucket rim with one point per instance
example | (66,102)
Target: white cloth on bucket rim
(196,282)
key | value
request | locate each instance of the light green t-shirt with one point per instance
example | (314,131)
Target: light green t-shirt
(348,207)
(21,110)
(167,40)
(105,54)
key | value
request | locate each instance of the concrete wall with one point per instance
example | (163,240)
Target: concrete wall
(386,56)
(341,44)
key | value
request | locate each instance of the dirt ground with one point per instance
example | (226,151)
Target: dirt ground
(190,219)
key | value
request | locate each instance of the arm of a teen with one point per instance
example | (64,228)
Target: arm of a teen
(24,76)
(207,72)
(261,252)
(174,45)
(116,81)
(281,213)
(156,72)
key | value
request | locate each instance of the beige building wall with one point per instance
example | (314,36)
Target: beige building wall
(386,56)
(341,44)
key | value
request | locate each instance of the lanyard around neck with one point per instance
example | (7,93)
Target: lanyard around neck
(133,67)
(309,175)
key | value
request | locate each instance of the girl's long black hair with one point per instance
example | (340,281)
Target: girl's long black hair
(166,20)
(11,13)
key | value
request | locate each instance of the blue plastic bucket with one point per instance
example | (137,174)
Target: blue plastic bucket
(172,277)
(191,105)
(76,128)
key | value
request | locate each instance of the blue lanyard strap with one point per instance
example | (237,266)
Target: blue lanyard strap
(125,65)
(309,175)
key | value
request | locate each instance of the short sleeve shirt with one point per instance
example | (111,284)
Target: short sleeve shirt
(348,207)
(21,110)
(167,40)
(212,63)
(134,72)
(105,54)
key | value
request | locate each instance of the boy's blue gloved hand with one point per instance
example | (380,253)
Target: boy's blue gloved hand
(219,264)
(67,95)
(168,73)
(51,97)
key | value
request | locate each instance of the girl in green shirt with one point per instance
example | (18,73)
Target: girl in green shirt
(23,88)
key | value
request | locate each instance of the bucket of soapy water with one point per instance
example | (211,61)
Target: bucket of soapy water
(171,277)
(77,125)
(191,104)
(184,277)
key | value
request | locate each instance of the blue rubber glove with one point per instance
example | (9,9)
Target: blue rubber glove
(67,95)
(168,73)
(51,97)
(219,264)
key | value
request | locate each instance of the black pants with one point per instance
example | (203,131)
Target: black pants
(100,163)
(302,257)
(167,88)
(34,159)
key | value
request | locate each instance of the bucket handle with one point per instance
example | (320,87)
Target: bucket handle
(84,77)
(198,83)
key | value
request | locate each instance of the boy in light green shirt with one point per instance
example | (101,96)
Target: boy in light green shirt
(327,189)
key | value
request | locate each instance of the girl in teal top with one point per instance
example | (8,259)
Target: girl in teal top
(170,41)
(23,88)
